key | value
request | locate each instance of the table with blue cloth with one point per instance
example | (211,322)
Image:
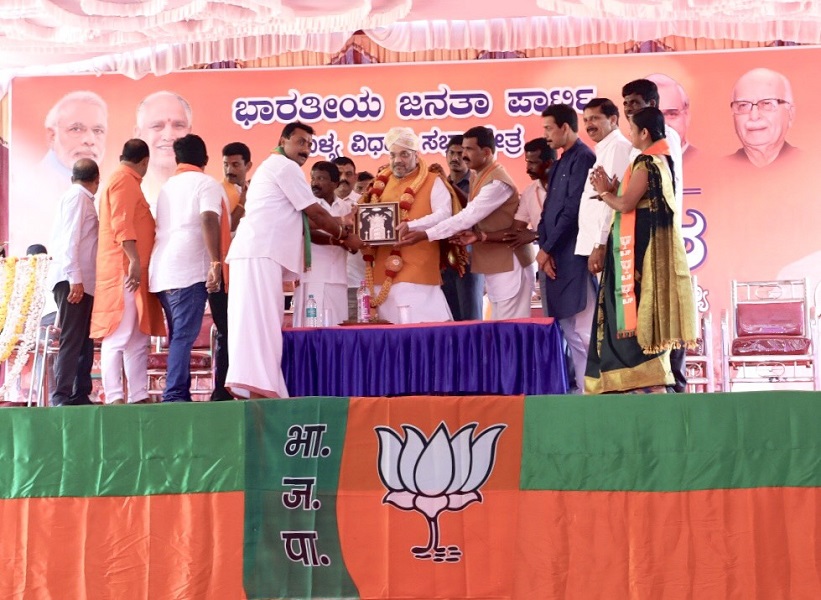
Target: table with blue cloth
(523,356)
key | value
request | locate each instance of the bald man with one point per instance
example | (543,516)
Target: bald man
(674,103)
(763,112)
(162,118)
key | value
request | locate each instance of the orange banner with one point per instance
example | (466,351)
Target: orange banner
(163,546)
(741,220)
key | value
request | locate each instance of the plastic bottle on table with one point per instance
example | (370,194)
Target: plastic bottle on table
(363,304)
(311,319)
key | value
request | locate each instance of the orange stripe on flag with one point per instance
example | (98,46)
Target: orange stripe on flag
(166,546)
(714,544)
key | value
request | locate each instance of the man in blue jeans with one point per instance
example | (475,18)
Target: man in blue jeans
(185,263)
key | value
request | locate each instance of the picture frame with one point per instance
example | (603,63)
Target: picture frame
(376,223)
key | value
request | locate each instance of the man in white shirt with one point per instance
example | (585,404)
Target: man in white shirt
(601,121)
(267,249)
(539,158)
(72,278)
(638,94)
(327,281)
(185,263)
(355,266)
(491,207)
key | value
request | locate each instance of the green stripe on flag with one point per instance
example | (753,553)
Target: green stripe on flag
(121,450)
(294,452)
(671,442)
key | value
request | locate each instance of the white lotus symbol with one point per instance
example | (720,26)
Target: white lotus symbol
(432,475)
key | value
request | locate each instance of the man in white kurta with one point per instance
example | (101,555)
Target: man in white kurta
(267,249)
(327,280)
(509,288)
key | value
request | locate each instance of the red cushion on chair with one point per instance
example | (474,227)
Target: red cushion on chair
(770,318)
(771,344)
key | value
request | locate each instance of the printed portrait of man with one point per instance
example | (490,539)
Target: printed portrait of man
(76,128)
(674,103)
(162,118)
(763,111)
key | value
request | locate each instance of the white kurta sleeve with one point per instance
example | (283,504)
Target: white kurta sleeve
(441,208)
(489,198)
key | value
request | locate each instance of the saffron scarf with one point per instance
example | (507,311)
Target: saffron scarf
(306,226)
(624,244)
(225,225)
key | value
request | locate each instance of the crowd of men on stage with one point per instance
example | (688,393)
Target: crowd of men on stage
(125,272)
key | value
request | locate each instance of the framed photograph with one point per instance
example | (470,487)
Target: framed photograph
(376,223)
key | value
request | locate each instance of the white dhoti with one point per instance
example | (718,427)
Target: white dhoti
(511,293)
(256,306)
(331,297)
(577,330)
(126,347)
(426,303)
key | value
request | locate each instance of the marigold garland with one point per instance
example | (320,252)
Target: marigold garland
(394,262)
(24,309)
(6,286)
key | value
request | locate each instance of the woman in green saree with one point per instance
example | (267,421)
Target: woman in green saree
(645,303)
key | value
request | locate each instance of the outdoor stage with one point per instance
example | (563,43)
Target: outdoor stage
(676,496)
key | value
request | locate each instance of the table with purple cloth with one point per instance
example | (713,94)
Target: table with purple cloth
(523,356)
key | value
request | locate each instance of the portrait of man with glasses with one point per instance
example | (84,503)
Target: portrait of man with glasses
(763,112)
(674,104)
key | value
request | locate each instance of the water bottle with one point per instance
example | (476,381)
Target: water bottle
(363,304)
(311,319)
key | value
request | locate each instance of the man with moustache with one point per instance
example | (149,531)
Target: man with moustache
(326,281)
(763,112)
(412,278)
(162,118)
(638,94)
(539,158)
(464,294)
(601,121)
(569,286)
(355,266)
(125,313)
(268,248)
(493,201)
(236,163)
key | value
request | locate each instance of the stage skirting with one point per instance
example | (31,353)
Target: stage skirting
(679,496)
(523,356)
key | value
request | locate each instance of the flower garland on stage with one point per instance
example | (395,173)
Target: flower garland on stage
(23,312)
(6,286)
(394,262)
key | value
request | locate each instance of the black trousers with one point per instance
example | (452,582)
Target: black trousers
(218,301)
(678,364)
(72,367)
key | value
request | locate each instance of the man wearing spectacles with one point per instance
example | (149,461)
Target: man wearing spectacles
(674,104)
(76,128)
(763,112)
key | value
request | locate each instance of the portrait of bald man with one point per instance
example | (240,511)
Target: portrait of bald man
(763,112)
(162,117)
(674,103)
